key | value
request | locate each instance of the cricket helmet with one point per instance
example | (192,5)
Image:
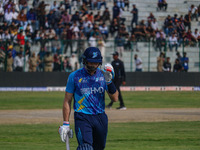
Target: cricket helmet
(92,54)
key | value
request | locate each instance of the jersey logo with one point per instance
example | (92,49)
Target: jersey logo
(80,80)
(94,55)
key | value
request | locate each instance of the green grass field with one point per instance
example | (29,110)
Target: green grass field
(126,136)
(54,100)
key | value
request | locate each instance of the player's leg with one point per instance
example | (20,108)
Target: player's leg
(118,84)
(100,131)
(83,130)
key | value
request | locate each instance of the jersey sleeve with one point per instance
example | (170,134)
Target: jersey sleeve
(70,87)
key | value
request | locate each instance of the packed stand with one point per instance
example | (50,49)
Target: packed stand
(68,27)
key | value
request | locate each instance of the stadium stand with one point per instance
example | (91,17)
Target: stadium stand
(146,50)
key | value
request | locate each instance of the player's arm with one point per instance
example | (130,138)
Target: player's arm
(114,97)
(65,128)
(67,106)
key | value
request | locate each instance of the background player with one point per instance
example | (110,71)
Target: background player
(120,78)
(88,85)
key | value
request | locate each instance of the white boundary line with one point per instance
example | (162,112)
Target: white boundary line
(123,88)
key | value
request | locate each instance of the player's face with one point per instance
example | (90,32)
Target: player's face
(92,67)
(93,64)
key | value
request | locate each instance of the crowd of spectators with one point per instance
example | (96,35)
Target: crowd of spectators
(181,63)
(68,23)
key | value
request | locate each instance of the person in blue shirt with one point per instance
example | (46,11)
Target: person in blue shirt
(185,61)
(87,86)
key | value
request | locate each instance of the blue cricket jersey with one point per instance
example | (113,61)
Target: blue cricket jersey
(89,91)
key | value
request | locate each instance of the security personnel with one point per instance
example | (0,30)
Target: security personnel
(9,62)
(48,62)
(120,78)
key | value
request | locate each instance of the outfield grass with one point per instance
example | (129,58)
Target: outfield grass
(121,136)
(54,100)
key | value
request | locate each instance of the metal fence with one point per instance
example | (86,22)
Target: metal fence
(63,51)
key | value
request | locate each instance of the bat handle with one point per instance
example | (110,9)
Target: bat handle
(67,142)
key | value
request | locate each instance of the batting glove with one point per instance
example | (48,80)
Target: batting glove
(109,73)
(63,131)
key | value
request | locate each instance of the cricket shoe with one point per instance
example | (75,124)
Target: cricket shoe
(109,106)
(121,108)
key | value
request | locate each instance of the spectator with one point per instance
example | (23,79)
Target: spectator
(177,66)
(8,16)
(56,63)
(139,33)
(198,10)
(121,17)
(66,18)
(21,38)
(23,4)
(126,4)
(154,24)
(116,10)
(56,45)
(48,62)
(101,45)
(160,61)
(135,16)
(190,39)
(67,5)
(67,65)
(75,30)
(138,63)
(22,19)
(185,61)
(69,38)
(92,41)
(93,4)
(41,13)
(150,17)
(81,46)
(12,50)
(196,35)
(87,31)
(100,3)
(120,41)
(33,63)
(54,6)
(74,62)
(173,42)
(97,17)
(31,18)
(150,32)
(1,13)
(104,31)
(167,65)
(75,17)
(35,4)
(9,67)
(194,12)
(162,4)
(106,15)
(27,48)
(133,43)
(19,62)
(6,36)
(187,20)
(161,43)
(114,27)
